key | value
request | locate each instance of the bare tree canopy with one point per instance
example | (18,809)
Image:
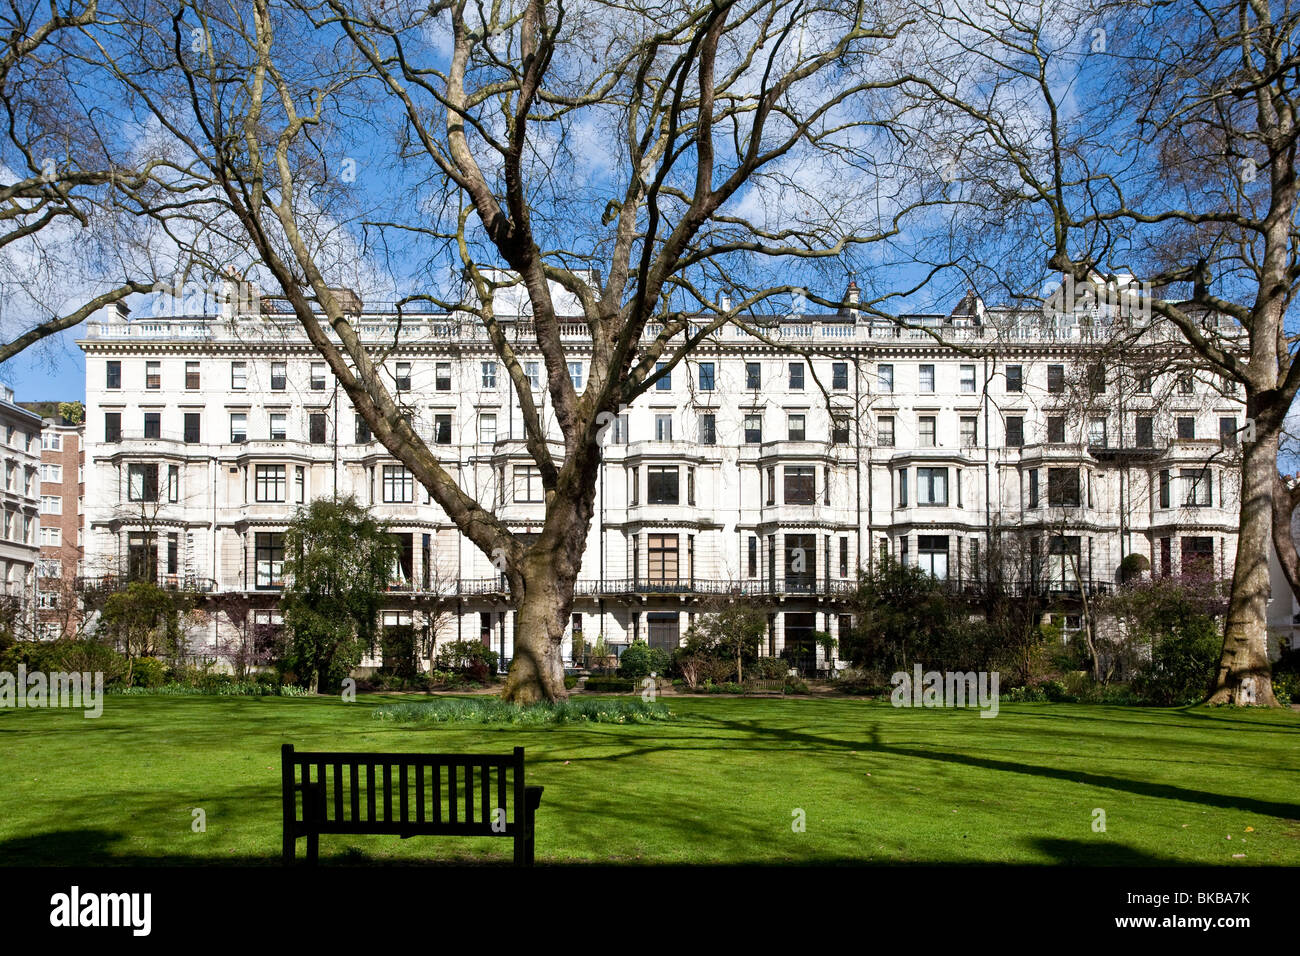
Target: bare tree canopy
(640,172)
(1151,139)
(84,192)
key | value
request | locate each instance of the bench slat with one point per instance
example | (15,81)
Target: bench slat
(405,798)
(419,794)
(501,788)
(437,793)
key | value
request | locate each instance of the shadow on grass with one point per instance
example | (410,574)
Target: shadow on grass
(1273,808)
(95,847)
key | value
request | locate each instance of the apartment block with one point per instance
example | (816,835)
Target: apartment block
(20,432)
(62,499)
(771,467)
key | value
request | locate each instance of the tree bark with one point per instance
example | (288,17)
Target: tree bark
(1245,673)
(537,669)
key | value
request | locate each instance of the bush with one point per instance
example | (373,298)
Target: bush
(492,711)
(700,667)
(767,668)
(639,661)
(228,688)
(1286,677)
(469,658)
(1182,663)
(609,685)
(148,672)
(570,681)
(67,655)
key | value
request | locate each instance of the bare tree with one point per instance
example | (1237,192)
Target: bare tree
(1152,138)
(730,140)
(84,197)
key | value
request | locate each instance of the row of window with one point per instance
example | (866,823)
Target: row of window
(1054,432)
(752,426)
(1094,380)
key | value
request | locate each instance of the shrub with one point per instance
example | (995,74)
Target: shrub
(698,667)
(1182,663)
(148,672)
(793,685)
(467,657)
(609,685)
(570,681)
(211,689)
(634,662)
(767,668)
(492,711)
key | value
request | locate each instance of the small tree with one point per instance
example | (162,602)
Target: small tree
(144,620)
(339,560)
(905,616)
(734,631)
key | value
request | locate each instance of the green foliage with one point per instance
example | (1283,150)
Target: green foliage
(73,413)
(144,620)
(149,672)
(905,617)
(767,668)
(1286,677)
(213,688)
(722,646)
(639,660)
(1176,621)
(68,655)
(489,710)
(609,685)
(338,562)
(468,658)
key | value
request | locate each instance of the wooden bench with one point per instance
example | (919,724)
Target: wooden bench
(764,688)
(407,795)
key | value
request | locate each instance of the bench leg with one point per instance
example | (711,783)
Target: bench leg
(287,848)
(532,800)
(313,811)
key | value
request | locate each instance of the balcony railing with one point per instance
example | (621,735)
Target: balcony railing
(115,582)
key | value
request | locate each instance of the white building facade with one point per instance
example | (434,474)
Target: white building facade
(771,468)
(20,531)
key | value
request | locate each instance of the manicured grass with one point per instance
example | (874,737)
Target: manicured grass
(720,783)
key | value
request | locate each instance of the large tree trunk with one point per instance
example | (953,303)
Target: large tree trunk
(1245,674)
(537,669)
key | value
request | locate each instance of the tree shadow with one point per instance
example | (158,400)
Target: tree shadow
(1273,808)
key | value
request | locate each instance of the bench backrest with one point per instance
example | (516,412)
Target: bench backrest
(404,793)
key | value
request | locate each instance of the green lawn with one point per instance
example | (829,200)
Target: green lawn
(719,784)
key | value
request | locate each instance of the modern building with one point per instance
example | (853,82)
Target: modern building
(772,465)
(20,431)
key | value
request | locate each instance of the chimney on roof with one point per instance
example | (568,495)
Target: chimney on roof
(850,304)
